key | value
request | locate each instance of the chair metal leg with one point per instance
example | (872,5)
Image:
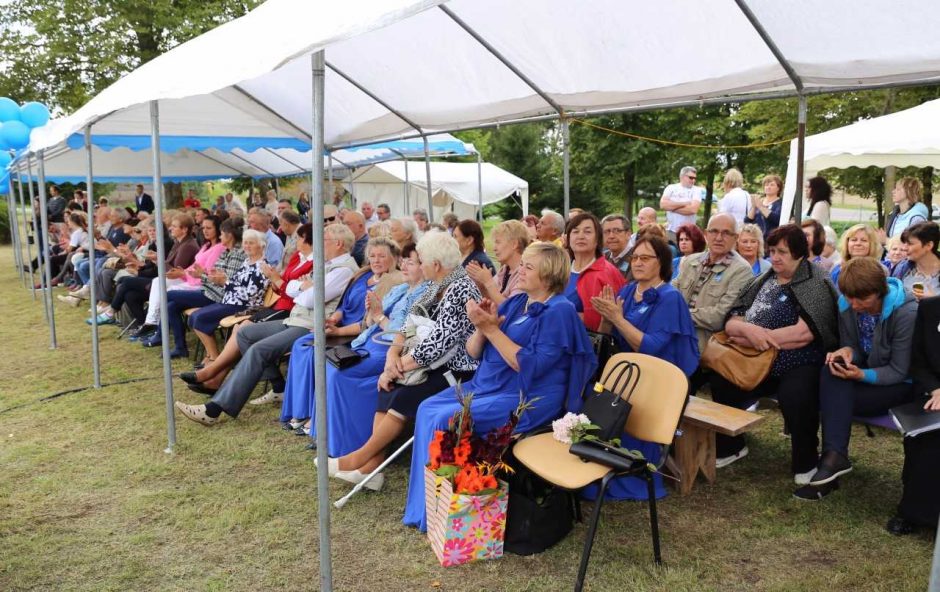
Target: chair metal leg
(592,530)
(654,517)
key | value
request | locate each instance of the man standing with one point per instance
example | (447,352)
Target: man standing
(617,235)
(710,281)
(259,219)
(233,206)
(357,224)
(550,227)
(681,200)
(142,201)
(191,200)
(383,212)
(368,214)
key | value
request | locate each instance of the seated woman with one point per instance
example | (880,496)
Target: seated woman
(920,504)
(751,248)
(376,280)
(213,285)
(352,392)
(244,289)
(868,374)
(590,270)
(895,252)
(534,343)
(469,237)
(443,350)
(298,266)
(792,308)
(815,235)
(78,241)
(106,279)
(920,273)
(691,240)
(860,240)
(510,239)
(651,317)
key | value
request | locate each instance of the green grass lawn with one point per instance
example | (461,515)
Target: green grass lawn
(89,500)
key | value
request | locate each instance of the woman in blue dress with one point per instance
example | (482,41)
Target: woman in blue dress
(534,344)
(648,316)
(378,278)
(351,393)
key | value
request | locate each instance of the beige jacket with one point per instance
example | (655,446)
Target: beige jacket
(716,296)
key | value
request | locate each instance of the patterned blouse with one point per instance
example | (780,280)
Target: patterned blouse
(776,307)
(247,286)
(452,330)
(228,263)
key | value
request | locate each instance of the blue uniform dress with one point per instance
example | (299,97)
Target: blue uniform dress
(298,395)
(351,393)
(669,334)
(556,361)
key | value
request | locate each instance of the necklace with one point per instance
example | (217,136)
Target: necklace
(639,293)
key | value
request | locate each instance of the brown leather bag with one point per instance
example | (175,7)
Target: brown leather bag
(743,366)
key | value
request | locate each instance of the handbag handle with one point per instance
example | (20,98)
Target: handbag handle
(632,371)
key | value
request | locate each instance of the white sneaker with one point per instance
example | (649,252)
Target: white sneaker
(196,413)
(268,397)
(804,478)
(727,460)
(355,477)
(83,293)
(70,300)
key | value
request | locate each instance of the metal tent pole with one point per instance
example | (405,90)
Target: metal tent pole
(800,154)
(319,325)
(566,164)
(407,190)
(93,293)
(37,235)
(427,172)
(330,173)
(480,186)
(47,264)
(161,273)
(15,236)
(29,248)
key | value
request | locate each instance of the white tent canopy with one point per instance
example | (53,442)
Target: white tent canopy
(905,138)
(407,67)
(454,187)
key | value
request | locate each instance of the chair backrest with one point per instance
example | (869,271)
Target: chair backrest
(658,399)
(270,296)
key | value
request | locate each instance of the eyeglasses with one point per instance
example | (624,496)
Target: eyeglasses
(614,230)
(692,177)
(642,258)
(712,232)
(330,219)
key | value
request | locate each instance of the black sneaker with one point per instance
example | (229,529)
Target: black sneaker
(831,466)
(814,493)
(899,526)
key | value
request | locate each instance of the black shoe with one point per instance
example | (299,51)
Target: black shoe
(831,466)
(202,390)
(899,526)
(189,377)
(813,493)
(311,446)
(143,331)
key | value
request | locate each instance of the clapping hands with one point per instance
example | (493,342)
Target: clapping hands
(607,304)
(484,315)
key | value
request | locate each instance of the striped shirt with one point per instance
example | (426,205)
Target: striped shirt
(228,263)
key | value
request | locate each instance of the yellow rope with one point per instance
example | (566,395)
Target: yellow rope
(671,143)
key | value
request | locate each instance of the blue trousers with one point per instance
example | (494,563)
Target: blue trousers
(176,302)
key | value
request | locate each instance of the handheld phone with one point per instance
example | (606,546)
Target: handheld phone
(839,363)
(917,286)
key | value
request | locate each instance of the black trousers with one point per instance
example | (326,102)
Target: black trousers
(134,292)
(920,501)
(798,396)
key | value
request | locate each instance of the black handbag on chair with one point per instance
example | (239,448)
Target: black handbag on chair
(343,356)
(608,409)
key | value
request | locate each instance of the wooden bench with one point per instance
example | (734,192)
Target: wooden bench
(694,450)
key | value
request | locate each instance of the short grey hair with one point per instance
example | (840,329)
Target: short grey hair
(612,217)
(556,220)
(258,237)
(686,170)
(421,212)
(440,247)
(409,226)
(340,231)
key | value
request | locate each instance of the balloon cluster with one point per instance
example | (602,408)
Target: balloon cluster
(16,123)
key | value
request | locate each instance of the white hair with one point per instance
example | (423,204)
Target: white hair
(409,226)
(441,247)
(340,231)
(258,237)
(557,220)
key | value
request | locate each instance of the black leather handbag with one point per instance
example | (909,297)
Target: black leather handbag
(343,356)
(607,409)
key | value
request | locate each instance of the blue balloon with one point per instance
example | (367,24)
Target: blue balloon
(34,114)
(3,143)
(9,110)
(5,160)
(16,134)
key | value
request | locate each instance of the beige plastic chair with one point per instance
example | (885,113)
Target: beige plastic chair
(657,401)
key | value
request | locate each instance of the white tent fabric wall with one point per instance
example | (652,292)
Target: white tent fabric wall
(388,77)
(454,187)
(906,138)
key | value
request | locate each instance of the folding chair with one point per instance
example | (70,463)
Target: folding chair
(658,401)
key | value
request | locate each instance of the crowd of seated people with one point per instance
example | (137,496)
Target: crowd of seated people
(852,319)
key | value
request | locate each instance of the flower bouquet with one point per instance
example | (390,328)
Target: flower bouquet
(465,502)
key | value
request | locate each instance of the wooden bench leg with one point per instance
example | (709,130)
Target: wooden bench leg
(694,452)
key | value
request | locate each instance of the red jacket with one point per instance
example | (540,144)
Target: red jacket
(294,271)
(601,273)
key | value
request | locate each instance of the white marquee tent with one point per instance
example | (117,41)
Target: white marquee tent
(454,186)
(906,138)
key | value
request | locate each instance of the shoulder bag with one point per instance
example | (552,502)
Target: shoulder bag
(609,409)
(742,366)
